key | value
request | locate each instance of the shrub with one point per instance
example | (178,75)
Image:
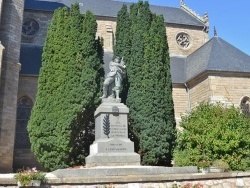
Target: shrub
(220,164)
(215,132)
(204,164)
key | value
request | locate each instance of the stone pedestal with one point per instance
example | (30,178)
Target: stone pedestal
(112,147)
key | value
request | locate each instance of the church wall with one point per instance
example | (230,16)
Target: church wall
(43,18)
(8,98)
(106,29)
(180,99)
(24,156)
(10,36)
(199,90)
(10,31)
(229,88)
(28,87)
(197,38)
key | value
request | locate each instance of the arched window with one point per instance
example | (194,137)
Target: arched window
(244,105)
(24,106)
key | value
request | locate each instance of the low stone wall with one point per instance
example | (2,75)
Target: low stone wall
(210,180)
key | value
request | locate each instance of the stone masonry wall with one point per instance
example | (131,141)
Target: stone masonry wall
(28,87)
(197,38)
(22,157)
(199,90)
(8,99)
(10,37)
(210,180)
(43,19)
(25,158)
(229,88)
(11,27)
(180,98)
(106,29)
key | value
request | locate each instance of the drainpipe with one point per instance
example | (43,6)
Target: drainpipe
(189,100)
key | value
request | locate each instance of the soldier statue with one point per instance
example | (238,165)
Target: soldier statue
(113,80)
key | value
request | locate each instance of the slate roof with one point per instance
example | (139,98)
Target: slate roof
(216,55)
(177,68)
(30,59)
(109,8)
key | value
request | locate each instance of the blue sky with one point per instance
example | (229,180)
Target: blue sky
(230,17)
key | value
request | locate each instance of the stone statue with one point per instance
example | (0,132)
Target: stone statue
(113,81)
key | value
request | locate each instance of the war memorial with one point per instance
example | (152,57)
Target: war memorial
(112,153)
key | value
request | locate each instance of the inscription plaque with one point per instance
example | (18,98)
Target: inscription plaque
(118,131)
(113,147)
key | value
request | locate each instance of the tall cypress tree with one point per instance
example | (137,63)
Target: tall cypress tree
(158,135)
(68,89)
(42,125)
(151,117)
(140,16)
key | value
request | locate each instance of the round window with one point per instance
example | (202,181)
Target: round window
(30,27)
(183,40)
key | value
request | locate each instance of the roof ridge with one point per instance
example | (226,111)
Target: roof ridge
(204,19)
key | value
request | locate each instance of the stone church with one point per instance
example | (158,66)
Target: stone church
(202,69)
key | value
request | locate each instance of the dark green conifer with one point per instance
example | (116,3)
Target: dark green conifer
(158,135)
(68,90)
(151,117)
(140,23)
(42,126)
